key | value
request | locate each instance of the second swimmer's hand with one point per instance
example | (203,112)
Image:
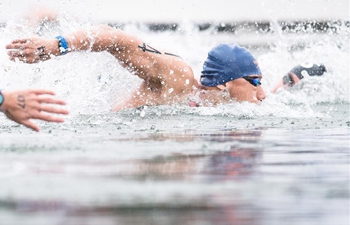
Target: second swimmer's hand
(32,50)
(23,105)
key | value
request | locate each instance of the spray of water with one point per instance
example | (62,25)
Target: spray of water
(92,83)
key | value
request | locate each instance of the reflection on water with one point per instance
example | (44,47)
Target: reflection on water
(167,174)
(185,177)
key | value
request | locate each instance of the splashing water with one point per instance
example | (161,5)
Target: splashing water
(241,163)
(93,82)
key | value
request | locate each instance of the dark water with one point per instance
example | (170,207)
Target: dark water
(178,168)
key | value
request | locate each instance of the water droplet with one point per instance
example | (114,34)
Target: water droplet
(143,113)
(187,81)
(36,70)
(171,90)
(171,72)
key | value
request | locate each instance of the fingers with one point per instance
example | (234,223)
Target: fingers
(31,50)
(52,109)
(24,52)
(25,59)
(31,125)
(34,104)
(42,92)
(40,96)
(45,96)
(48,118)
(44,117)
(17,43)
(20,55)
(20,41)
(14,46)
(43,102)
(16,53)
(50,100)
(27,56)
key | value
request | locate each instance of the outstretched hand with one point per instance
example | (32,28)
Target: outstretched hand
(32,50)
(21,106)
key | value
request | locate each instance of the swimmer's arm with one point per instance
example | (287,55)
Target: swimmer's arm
(36,49)
(97,39)
(123,46)
(104,38)
(278,86)
(128,50)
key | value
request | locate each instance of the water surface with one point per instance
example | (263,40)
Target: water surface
(284,161)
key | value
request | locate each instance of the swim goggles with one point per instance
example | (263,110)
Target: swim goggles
(255,81)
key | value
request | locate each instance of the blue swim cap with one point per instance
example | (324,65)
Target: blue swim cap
(228,62)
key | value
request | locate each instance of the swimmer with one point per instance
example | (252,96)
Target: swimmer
(230,71)
(23,105)
(298,73)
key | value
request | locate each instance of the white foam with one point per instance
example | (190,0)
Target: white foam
(92,83)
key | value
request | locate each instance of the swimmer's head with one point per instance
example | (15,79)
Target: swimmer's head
(227,62)
(300,71)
